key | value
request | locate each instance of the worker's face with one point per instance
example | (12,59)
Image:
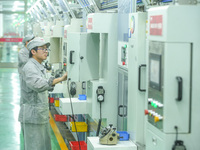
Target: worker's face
(41,53)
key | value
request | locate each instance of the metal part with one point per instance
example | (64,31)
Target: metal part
(109,136)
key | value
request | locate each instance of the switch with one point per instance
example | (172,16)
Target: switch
(160,105)
(158,118)
(150,100)
(155,104)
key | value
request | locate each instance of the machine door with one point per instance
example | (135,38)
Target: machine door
(73,50)
(122,100)
(169,93)
(89,57)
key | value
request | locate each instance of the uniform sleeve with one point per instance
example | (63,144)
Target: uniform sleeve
(22,59)
(35,81)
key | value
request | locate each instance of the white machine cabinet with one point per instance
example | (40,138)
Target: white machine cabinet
(83,56)
(173,80)
(93,144)
(136,77)
(79,106)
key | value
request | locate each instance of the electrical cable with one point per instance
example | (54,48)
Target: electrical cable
(176,128)
(73,114)
(100,111)
(99,123)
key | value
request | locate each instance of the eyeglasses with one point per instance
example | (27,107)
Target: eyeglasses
(44,49)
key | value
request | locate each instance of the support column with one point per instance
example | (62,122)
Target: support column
(1,22)
(25,18)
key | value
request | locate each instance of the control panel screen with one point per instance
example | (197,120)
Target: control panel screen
(155,71)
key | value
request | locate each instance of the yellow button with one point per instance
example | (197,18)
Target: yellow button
(156,119)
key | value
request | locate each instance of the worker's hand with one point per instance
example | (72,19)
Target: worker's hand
(64,77)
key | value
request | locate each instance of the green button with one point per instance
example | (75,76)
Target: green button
(125,46)
(152,104)
(155,106)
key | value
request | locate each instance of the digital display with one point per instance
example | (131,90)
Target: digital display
(155,71)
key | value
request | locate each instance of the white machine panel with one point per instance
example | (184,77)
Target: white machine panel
(93,144)
(57,29)
(83,56)
(79,106)
(137,77)
(163,71)
(173,91)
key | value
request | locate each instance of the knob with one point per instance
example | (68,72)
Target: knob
(110,125)
(81,57)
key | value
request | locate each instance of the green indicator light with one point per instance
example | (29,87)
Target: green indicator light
(125,46)
(152,104)
(155,105)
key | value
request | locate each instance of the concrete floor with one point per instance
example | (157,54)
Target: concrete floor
(10,130)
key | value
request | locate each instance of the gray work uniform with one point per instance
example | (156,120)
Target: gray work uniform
(34,111)
(23,57)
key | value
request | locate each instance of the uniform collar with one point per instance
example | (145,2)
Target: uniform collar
(24,47)
(40,66)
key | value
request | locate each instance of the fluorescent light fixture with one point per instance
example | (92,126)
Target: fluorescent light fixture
(18,3)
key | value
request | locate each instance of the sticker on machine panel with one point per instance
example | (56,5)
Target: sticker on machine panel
(65,34)
(132,24)
(156,25)
(89,23)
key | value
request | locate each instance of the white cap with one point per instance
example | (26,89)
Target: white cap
(38,41)
(27,38)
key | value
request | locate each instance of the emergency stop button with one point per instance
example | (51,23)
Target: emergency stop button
(146,112)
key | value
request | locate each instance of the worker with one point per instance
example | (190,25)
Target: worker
(34,112)
(23,55)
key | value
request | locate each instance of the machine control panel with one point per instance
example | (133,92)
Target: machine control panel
(167,80)
(155,90)
(123,54)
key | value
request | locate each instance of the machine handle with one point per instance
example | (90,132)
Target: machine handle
(125,111)
(83,85)
(70,59)
(180,88)
(119,110)
(139,76)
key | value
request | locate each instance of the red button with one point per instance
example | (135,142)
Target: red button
(146,112)
(64,64)
(123,63)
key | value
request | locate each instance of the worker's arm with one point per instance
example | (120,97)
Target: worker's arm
(57,80)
